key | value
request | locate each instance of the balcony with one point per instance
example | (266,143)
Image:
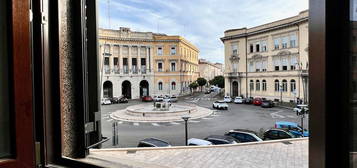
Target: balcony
(234,74)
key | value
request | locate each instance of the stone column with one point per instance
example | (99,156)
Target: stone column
(129,59)
(139,60)
(151,56)
(121,59)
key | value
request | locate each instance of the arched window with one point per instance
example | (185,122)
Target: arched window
(276,85)
(257,85)
(160,85)
(292,85)
(173,85)
(285,85)
(251,85)
(264,83)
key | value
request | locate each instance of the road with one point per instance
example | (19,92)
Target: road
(241,116)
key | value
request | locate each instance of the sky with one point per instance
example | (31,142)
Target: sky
(202,22)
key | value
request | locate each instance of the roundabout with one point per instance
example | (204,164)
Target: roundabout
(160,112)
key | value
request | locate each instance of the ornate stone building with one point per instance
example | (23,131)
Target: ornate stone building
(136,64)
(209,70)
(269,60)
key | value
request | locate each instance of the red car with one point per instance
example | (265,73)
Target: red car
(257,101)
(146,99)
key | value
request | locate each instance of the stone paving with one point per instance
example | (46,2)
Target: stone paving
(292,153)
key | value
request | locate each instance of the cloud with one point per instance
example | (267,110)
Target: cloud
(202,22)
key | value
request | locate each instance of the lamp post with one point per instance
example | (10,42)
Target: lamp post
(281,93)
(185,118)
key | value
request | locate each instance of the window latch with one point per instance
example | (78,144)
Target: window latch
(43,18)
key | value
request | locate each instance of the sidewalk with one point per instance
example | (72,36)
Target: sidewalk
(288,153)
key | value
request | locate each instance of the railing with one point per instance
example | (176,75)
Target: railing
(234,74)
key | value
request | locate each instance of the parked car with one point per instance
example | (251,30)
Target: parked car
(299,107)
(243,135)
(173,99)
(248,100)
(123,100)
(146,99)
(105,101)
(221,139)
(238,100)
(167,98)
(294,128)
(220,105)
(153,142)
(158,98)
(207,91)
(278,133)
(257,101)
(227,99)
(198,142)
(114,100)
(267,104)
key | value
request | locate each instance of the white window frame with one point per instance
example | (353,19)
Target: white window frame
(173,62)
(276,43)
(160,52)
(173,51)
(293,37)
(234,48)
(162,65)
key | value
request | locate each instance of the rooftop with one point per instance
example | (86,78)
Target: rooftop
(288,153)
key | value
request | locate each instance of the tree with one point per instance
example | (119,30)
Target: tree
(217,80)
(193,85)
(201,82)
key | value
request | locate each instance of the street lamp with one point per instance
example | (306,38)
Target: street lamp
(185,118)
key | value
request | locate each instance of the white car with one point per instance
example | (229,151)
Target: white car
(220,105)
(173,99)
(227,99)
(299,107)
(105,101)
(238,100)
(157,98)
(198,142)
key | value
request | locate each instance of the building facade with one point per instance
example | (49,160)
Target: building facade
(135,64)
(209,70)
(269,60)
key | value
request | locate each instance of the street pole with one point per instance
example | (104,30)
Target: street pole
(185,118)
(302,120)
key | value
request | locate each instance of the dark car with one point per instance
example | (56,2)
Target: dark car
(275,133)
(248,100)
(146,99)
(221,139)
(114,100)
(153,142)
(257,101)
(267,104)
(123,100)
(243,135)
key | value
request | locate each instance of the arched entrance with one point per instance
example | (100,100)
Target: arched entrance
(107,89)
(144,88)
(234,89)
(126,89)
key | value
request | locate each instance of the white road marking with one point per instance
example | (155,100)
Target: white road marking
(276,115)
(206,118)
(136,124)
(110,120)
(291,116)
(120,122)
(215,115)
(174,123)
(193,121)
(155,124)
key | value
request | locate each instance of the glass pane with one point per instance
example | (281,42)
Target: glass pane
(5,145)
(353,56)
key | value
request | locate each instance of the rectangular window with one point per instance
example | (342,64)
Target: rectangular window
(251,47)
(258,66)
(134,65)
(234,48)
(284,63)
(159,51)
(276,64)
(293,63)
(276,43)
(293,41)
(251,66)
(106,49)
(257,47)
(264,65)
(116,65)
(284,42)
(264,46)
(173,66)
(159,66)
(173,51)
(125,66)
